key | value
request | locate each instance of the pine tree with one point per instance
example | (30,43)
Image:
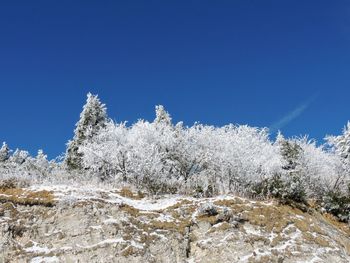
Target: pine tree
(92,119)
(341,144)
(337,199)
(19,157)
(289,185)
(291,153)
(162,116)
(41,159)
(4,152)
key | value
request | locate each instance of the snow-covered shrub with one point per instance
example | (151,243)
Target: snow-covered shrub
(341,146)
(19,157)
(207,160)
(4,152)
(208,209)
(226,215)
(25,169)
(322,170)
(338,204)
(13,182)
(308,171)
(166,158)
(8,183)
(336,198)
(106,154)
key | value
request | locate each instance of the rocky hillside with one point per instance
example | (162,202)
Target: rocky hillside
(67,224)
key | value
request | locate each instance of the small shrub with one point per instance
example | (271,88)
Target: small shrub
(8,183)
(200,192)
(13,182)
(208,209)
(288,188)
(225,216)
(337,204)
(16,230)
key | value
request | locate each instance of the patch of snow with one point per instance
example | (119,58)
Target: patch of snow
(137,245)
(111,241)
(62,191)
(292,238)
(249,229)
(96,227)
(299,217)
(37,249)
(151,205)
(218,224)
(205,241)
(104,242)
(53,259)
(165,218)
(110,221)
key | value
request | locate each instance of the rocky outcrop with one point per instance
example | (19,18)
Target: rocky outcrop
(66,224)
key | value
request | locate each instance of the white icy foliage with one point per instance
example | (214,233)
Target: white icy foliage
(162,116)
(322,168)
(106,153)
(4,152)
(92,119)
(202,160)
(163,157)
(19,156)
(167,158)
(341,146)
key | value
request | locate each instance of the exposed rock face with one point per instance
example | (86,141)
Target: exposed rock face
(70,225)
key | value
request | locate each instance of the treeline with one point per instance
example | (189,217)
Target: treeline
(202,160)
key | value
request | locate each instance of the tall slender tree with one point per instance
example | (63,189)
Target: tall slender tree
(4,152)
(341,146)
(92,119)
(162,116)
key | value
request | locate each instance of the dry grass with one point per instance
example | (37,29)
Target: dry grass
(126,192)
(130,210)
(25,197)
(178,226)
(221,228)
(331,219)
(209,219)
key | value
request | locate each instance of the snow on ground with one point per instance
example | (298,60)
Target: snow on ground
(37,249)
(44,260)
(66,193)
(217,236)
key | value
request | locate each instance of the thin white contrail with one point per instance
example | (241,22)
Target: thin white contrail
(291,115)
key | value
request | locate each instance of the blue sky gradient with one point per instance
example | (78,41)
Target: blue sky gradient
(217,62)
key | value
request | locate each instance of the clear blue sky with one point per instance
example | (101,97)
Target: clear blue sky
(262,63)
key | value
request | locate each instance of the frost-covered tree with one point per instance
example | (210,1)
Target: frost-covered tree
(341,146)
(320,168)
(337,199)
(41,161)
(289,184)
(4,152)
(291,153)
(106,155)
(19,157)
(162,116)
(92,119)
(167,158)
